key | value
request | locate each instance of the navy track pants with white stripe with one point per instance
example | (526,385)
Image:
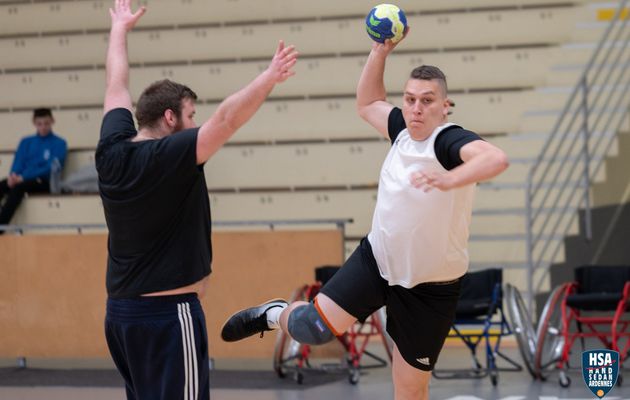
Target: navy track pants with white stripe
(160,346)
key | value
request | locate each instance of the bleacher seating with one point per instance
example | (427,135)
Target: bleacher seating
(77,16)
(258,41)
(493,112)
(5,164)
(324,76)
(517,112)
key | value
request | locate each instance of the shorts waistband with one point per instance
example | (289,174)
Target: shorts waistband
(442,283)
(152,307)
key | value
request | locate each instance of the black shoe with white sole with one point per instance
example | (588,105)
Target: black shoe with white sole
(249,321)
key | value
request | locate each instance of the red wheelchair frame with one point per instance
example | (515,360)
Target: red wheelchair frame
(562,337)
(289,355)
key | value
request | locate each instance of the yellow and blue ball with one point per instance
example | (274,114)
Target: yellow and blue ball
(386,21)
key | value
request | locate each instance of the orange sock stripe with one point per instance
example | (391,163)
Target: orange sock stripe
(328,324)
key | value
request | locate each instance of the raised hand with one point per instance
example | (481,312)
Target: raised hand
(122,16)
(283,60)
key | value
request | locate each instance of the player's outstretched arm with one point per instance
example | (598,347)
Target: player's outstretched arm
(117,65)
(238,108)
(372,103)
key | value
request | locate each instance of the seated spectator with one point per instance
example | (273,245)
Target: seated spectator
(36,156)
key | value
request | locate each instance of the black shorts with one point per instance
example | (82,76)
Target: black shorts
(418,319)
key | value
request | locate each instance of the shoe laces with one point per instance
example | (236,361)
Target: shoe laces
(261,323)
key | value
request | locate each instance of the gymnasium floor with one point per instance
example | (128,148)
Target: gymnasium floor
(374,385)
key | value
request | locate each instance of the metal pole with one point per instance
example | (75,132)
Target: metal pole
(529,240)
(588,230)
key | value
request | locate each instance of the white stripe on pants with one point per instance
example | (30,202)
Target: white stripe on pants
(191,375)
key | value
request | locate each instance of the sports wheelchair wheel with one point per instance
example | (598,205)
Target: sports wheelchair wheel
(523,327)
(288,354)
(549,339)
(564,380)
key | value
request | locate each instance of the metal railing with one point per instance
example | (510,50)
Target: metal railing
(559,181)
(271,224)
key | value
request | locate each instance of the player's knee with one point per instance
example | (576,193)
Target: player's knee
(307,326)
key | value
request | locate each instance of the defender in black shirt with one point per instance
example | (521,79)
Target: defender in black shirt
(155,198)
(157,208)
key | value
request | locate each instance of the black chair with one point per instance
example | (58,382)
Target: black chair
(480,318)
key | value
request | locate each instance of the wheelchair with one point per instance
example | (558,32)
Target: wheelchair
(293,357)
(526,331)
(594,306)
(480,319)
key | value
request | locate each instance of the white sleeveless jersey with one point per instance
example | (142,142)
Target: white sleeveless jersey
(419,237)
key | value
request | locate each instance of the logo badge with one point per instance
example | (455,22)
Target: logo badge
(424,360)
(600,369)
(374,21)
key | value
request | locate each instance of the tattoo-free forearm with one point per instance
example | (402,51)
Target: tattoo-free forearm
(481,167)
(117,64)
(231,114)
(238,108)
(371,87)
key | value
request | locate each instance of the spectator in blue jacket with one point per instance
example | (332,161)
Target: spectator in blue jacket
(32,165)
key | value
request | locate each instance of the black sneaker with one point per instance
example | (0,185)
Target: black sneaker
(249,321)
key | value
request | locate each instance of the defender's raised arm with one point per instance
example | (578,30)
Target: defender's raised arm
(117,64)
(237,109)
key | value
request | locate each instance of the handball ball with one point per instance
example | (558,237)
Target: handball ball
(386,21)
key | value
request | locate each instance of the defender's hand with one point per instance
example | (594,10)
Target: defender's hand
(283,60)
(122,16)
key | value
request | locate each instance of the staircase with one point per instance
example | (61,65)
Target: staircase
(562,194)
(610,217)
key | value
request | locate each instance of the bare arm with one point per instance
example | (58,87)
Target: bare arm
(117,65)
(372,103)
(238,108)
(482,161)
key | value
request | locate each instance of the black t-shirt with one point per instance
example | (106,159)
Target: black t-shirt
(447,145)
(156,207)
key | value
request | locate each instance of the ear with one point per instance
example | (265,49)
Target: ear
(448,103)
(170,117)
